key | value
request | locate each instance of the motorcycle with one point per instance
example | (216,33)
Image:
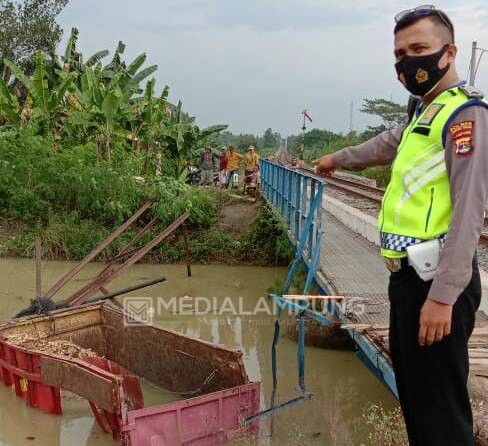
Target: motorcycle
(193,176)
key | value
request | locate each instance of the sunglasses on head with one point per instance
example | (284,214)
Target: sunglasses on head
(423,11)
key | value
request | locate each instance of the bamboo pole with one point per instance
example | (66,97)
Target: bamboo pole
(187,250)
(38,255)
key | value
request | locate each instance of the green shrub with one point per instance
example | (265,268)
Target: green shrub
(266,241)
(175,197)
(381,174)
(74,199)
(213,244)
(39,179)
(62,237)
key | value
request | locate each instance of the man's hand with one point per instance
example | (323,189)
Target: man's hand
(435,322)
(324,165)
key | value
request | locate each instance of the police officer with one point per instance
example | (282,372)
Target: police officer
(438,191)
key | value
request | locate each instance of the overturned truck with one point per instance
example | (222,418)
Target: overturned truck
(100,358)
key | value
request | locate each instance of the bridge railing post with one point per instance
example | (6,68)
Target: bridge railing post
(289,195)
(297,197)
(312,226)
(304,201)
(298,207)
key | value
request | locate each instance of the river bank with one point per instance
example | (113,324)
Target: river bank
(71,197)
(239,231)
(343,388)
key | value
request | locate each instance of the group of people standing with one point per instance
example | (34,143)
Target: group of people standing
(229,161)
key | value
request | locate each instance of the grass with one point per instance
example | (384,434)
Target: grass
(67,237)
(387,427)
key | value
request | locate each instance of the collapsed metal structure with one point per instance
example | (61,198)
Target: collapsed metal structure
(117,265)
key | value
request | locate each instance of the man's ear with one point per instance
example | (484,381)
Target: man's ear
(452,53)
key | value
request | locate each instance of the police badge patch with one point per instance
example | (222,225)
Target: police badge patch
(421,76)
(461,133)
(429,114)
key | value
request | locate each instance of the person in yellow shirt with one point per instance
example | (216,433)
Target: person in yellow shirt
(233,161)
(252,167)
(252,160)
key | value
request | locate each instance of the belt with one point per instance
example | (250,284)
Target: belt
(395,265)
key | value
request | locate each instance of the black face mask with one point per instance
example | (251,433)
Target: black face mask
(422,73)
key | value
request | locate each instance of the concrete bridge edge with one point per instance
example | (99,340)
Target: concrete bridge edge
(366,226)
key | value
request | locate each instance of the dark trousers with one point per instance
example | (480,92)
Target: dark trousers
(432,381)
(230,175)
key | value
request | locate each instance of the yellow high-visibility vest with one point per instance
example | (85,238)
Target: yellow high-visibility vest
(417,202)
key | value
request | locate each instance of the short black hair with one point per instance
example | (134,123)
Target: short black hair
(440,18)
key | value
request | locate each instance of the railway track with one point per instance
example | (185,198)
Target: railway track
(352,187)
(357,189)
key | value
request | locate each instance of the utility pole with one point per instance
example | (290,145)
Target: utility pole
(472,65)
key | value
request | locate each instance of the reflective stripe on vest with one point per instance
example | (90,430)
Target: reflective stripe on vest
(417,202)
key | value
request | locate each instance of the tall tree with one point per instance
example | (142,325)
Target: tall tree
(270,139)
(27,27)
(391,113)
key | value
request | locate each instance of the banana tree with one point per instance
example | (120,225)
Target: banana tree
(130,75)
(115,86)
(73,59)
(48,104)
(10,110)
(101,103)
(182,139)
(148,119)
(99,111)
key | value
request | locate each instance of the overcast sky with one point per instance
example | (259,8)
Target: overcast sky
(254,64)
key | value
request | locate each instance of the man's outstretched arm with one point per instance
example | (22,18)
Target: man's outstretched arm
(378,151)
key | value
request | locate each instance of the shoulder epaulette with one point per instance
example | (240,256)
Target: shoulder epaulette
(413,102)
(472,92)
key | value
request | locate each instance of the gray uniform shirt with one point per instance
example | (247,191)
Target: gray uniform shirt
(468,178)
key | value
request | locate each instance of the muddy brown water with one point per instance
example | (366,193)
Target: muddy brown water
(343,388)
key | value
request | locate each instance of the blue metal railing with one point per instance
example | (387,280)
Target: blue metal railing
(297,197)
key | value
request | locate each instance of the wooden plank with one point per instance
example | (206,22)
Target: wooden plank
(362,327)
(474,353)
(310,297)
(69,375)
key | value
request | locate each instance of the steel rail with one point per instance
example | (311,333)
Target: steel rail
(365,192)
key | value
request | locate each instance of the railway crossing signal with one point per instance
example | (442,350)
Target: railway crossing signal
(304,127)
